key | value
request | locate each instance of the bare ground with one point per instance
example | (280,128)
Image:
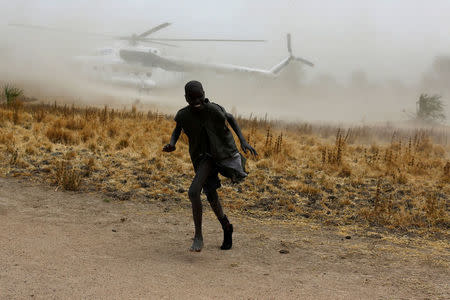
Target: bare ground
(70,245)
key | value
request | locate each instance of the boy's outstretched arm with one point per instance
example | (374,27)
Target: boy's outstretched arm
(244,144)
(173,140)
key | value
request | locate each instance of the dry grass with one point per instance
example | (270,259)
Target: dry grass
(381,177)
(67,177)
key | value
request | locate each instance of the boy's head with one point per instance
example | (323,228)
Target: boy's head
(194,94)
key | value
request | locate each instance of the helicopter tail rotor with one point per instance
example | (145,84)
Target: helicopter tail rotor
(281,65)
(288,40)
(289,47)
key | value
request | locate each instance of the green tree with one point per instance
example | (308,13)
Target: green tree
(430,108)
(11,93)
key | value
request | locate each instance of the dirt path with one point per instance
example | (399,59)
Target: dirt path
(67,245)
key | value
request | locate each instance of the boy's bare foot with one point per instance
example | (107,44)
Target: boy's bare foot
(197,244)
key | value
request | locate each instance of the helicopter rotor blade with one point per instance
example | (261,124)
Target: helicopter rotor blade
(37,27)
(306,62)
(289,47)
(154,29)
(203,40)
(133,39)
(160,43)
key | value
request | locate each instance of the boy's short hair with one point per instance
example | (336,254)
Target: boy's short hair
(193,89)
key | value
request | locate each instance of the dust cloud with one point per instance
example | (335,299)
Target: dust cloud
(372,60)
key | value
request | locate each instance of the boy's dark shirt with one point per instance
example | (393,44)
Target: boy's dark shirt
(207,132)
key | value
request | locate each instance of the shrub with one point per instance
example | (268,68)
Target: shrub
(67,177)
(11,93)
(430,108)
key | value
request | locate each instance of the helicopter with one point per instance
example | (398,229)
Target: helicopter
(135,65)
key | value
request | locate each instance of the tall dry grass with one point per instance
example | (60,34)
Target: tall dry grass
(371,176)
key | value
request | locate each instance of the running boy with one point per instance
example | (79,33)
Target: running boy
(212,150)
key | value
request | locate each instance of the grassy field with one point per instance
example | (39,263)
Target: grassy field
(368,177)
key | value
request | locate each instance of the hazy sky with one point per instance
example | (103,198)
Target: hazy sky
(387,38)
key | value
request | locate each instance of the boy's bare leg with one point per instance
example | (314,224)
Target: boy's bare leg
(214,201)
(197,244)
(195,189)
